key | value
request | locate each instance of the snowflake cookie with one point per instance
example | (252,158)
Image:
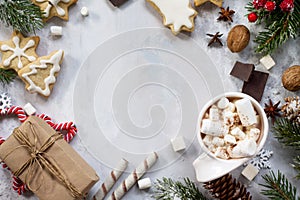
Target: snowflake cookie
(18,51)
(178,15)
(40,75)
(58,8)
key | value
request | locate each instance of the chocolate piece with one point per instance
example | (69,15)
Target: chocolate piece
(256,85)
(117,3)
(242,71)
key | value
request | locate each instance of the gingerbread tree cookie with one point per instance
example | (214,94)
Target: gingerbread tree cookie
(58,8)
(18,51)
(178,15)
(216,2)
(40,75)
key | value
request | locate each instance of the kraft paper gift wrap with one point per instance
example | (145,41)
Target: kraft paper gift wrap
(48,165)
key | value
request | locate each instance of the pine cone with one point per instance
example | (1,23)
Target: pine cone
(291,109)
(227,188)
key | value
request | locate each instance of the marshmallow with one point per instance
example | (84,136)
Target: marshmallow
(214,113)
(29,109)
(230,107)
(238,133)
(207,140)
(250,172)
(144,183)
(253,134)
(230,139)
(221,153)
(267,61)
(84,11)
(246,112)
(244,148)
(212,148)
(56,30)
(214,128)
(178,143)
(218,141)
(223,103)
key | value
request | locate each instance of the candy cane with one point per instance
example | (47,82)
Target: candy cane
(68,126)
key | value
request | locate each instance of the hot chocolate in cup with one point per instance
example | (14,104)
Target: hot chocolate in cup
(211,165)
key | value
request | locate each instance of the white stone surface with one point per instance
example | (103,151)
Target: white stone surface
(83,35)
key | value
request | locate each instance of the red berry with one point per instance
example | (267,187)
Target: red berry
(257,4)
(252,17)
(270,6)
(287,5)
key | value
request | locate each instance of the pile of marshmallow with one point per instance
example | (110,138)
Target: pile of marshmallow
(230,129)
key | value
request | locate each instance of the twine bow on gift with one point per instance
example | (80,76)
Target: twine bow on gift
(40,159)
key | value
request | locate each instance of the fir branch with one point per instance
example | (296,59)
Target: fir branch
(278,187)
(287,132)
(296,165)
(7,76)
(280,26)
(167,189)
(22,15)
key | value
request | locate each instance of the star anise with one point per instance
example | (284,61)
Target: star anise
(215,38)
(226,14)
(272,110)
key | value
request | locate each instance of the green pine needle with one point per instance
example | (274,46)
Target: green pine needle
(287,132)
(296,165)
(7,76)
(277,187)
(167,189)
(22,15)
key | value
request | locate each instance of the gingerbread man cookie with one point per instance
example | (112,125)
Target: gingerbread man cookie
(58,8)
(18,51)
(178,15)
(40,75)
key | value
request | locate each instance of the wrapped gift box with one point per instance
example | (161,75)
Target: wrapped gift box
(48,165)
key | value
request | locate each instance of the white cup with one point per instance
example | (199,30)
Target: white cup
(209,167)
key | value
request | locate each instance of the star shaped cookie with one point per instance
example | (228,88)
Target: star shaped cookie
(178,15)
(58,8)
(40,76)
(216,2)
(18,51)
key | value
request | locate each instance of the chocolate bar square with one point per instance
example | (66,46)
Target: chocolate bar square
(256,85)
(242,71)
(117,3)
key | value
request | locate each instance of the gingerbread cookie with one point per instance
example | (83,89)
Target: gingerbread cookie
(216,2)
(58,8)
(18,51)
(40,75)
(178,15)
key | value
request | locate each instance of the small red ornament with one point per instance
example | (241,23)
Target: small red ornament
(252,17)
(257,4)
(287,5)
(270,6)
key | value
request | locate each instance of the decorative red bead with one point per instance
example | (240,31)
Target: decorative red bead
(270,6)
(252,17)
(257,4)
(287,5)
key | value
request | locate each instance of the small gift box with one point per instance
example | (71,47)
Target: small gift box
(48,165)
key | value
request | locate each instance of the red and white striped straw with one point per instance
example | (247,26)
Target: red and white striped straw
(141,169)
(111,179)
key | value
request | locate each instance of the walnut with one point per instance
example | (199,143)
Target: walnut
(291,78)
(238,38)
